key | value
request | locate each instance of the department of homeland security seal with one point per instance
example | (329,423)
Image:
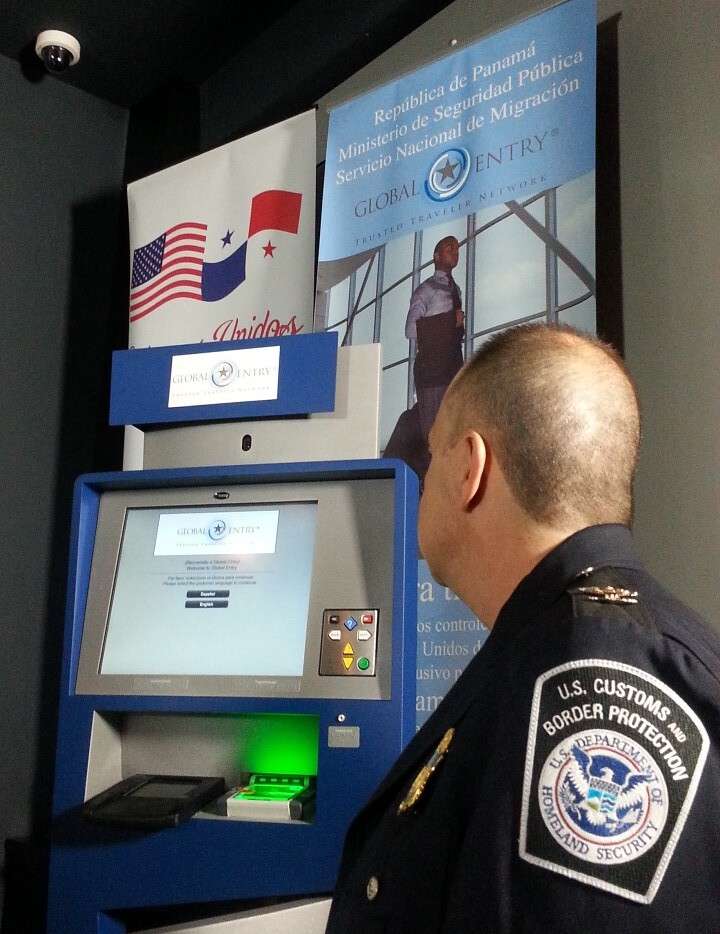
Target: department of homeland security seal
(613,762)
(602,797)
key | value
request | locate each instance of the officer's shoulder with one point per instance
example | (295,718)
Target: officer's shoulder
(629,606)
(622,700)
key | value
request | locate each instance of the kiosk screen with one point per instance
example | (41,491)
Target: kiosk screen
(212,591)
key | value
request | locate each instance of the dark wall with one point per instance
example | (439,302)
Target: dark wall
(60,226)
(307,52)
(164,129)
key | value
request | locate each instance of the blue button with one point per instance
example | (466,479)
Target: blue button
(350,623)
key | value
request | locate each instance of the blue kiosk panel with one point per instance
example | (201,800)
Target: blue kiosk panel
(154,683)
(141,380)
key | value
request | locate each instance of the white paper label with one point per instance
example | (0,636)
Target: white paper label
(224,376)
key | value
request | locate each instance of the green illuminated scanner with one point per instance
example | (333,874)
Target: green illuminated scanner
(273,798)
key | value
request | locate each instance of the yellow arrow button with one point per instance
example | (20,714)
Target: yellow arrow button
(347,661)
(348,650)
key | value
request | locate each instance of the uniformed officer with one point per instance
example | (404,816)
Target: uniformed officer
(570,780)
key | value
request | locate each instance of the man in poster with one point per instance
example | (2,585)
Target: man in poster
(435,321)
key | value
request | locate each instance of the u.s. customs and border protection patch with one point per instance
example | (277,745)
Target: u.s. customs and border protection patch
(613,761)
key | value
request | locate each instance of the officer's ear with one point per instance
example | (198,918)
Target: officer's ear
(476,460)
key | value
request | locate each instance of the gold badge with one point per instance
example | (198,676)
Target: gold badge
(423,776)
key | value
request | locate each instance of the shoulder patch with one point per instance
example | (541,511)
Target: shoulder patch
(614,758)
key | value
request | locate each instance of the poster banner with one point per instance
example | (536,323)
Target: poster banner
(448,636)
(222,246)
(459,201)
(510,115)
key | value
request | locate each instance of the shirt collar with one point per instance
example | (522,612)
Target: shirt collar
(595,547)
(442,276)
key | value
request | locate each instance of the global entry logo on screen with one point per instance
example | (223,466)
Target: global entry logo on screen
(218,530)
(230,532)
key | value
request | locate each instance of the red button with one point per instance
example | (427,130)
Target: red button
(368,618)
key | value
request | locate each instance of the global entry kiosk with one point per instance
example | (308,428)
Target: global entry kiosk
(239,653)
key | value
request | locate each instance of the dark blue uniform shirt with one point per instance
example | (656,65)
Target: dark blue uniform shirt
(580,787)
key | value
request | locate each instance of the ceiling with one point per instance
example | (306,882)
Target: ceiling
(130,50)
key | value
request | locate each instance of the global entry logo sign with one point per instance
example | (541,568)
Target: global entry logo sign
(448,174)
(223,373)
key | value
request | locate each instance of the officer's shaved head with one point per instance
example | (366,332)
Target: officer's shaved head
(561,413)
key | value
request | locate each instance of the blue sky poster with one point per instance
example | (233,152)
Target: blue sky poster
(513,113)
(448,635)
(491,149)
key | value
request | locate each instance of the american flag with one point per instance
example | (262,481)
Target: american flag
(169,267)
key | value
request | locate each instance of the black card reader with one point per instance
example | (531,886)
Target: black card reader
(150,802)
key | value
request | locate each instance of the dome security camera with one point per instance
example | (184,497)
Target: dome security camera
(58,50)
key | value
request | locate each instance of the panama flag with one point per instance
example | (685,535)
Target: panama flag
(222,246)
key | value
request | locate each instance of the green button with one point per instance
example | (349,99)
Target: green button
(363,663)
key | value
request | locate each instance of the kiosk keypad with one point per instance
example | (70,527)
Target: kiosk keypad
(349,641)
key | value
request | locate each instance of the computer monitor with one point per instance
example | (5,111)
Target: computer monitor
(257,589)
(229,589)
